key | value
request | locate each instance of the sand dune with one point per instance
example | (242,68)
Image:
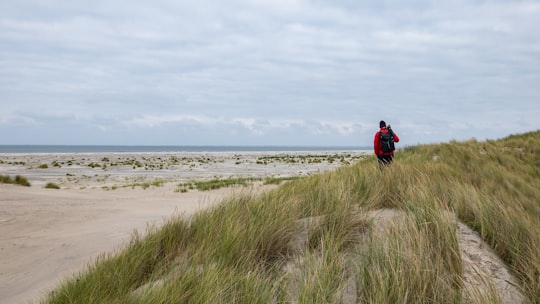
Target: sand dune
(47,235)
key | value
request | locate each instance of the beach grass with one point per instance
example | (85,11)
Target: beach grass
(52,186)
(217,183)
(314,240)
(18,180)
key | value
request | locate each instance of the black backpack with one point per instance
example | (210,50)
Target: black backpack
(387,141)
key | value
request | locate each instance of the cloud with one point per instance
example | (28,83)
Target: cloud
(15,119)
(157,121)
(286,71)
(258,127)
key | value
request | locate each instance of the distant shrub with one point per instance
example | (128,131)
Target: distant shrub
(21,180)
(5,179)
(52,186)
(18,180)
(43,166)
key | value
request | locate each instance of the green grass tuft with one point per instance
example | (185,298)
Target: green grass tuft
(221,183)
(18,180)
(52,186)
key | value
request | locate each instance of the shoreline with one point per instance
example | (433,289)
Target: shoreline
(165,148)
(48,234)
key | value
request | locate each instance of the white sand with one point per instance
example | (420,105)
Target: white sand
(47,235)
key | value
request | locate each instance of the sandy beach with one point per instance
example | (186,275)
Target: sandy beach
(47,235)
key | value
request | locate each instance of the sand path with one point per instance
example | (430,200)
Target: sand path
(46,235)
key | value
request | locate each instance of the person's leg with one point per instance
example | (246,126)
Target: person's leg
(385,160)
(381,161)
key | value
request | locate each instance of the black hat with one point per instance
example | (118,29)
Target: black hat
(382,124)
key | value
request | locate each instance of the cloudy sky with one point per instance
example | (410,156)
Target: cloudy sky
(261,72)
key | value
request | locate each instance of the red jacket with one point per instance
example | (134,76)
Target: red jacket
(377,142)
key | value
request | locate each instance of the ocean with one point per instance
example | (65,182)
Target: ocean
(135,149)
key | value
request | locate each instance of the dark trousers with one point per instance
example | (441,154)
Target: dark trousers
(385,160)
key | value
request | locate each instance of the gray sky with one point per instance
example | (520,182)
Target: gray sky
(280,72)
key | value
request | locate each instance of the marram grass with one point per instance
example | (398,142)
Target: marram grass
(18,180)
(311,241)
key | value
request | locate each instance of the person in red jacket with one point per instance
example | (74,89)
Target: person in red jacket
(385,158)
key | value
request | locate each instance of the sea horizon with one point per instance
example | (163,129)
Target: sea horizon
(166,148)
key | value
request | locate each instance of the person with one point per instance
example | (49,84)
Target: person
(384,157)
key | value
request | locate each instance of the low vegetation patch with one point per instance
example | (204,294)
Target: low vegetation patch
(344,159)
(18,180)
(158,182)
(311,240)
(220,183)
(52,186)
(279,180)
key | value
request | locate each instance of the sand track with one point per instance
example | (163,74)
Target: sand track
(46,235)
